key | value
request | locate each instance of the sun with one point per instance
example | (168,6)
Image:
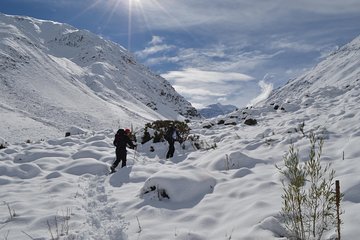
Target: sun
(114,7)
(141,15)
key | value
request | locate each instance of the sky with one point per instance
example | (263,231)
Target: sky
(227,51)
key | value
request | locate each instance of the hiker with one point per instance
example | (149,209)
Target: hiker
(171,136)
(121,141)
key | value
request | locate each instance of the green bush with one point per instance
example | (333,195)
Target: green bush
(146,137)
(161,126)
(309,201)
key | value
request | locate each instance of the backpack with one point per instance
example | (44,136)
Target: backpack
(119,133)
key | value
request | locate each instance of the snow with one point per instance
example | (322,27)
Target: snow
(58,186)
(230,192)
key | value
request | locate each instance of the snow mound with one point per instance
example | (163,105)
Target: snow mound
(178,186)
(223,161)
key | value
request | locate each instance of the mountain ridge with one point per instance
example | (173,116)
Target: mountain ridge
(338,70)
(214,110)
(61,76)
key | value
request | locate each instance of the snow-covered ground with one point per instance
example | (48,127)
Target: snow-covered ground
(230,192)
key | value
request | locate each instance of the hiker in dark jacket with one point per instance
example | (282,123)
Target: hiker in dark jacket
(171,136)
(121,141)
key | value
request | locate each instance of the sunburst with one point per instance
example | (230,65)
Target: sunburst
(140,12)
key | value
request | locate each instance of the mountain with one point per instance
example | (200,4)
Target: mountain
(54,76)
(337,74)
(230,188)
(334,81)
(214,110)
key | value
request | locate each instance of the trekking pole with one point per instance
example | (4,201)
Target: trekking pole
(135,154)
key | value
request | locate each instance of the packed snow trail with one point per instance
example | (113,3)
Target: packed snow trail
(103,216)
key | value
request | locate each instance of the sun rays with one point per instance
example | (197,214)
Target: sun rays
(135,15)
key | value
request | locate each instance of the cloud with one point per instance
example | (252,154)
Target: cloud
(266,89)
(191,75)
(203,87)
(240,14)
(296,45)
(61,2)
(234,57)
(154,47)
(156,40)
(212,44)
(153,50)
(185,90)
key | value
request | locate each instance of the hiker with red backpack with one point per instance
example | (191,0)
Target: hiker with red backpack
(121,141)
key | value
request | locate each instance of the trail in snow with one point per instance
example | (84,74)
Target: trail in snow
(103,215)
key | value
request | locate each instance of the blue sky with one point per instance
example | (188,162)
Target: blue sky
(227,51)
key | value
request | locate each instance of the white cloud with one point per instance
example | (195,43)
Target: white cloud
(218,45)
(184,90)
(191,75)
(203,87)
(153,50)
(153,61)
(155,46)
(266,89)
(172,14)
(217,57)
(156,40)
(293,45)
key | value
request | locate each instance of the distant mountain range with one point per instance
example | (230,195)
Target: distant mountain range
(215,110)
(54,76)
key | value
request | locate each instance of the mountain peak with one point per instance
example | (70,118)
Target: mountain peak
(55,75)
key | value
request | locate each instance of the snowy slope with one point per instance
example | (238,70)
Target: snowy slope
(340,71)
(55,76)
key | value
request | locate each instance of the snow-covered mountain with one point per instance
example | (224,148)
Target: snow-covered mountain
(337,74)
(54,76)
(334,81)
(217,109)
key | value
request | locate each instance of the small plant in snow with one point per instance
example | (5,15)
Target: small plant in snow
(11,211)
(301,128)
(60,226)
(228,162)
(309,201)
(139,225)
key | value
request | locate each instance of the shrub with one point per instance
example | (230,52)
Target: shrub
(160,127)
(309,201)
(146,137)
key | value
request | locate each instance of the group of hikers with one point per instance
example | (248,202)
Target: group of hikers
(123,139)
